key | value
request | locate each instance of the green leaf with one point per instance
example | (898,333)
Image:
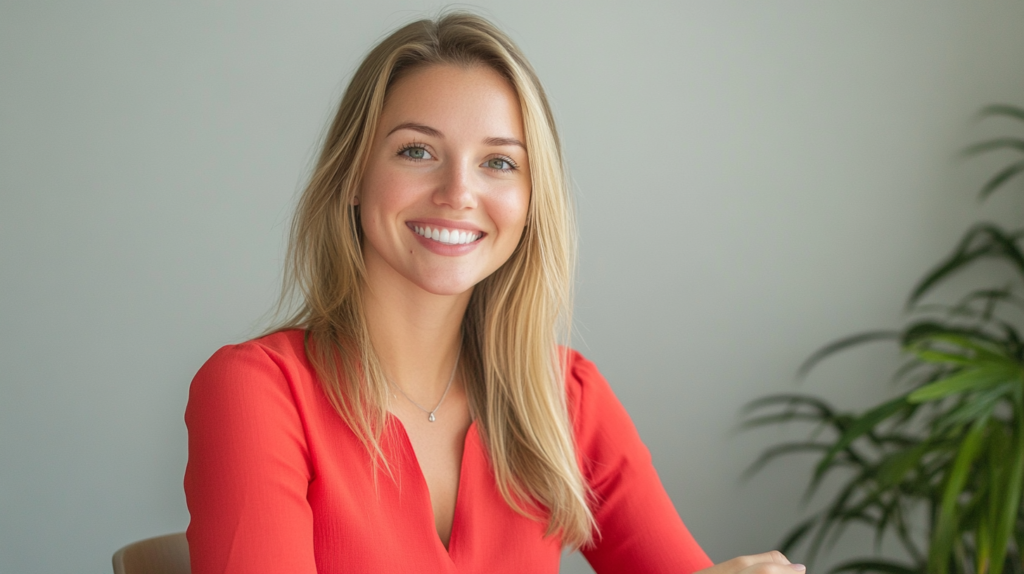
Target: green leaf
(779,450)
(908,371)
(945,531)
(983,547)
(977,406)
(797,534)
(984,240)
(895,466)
(879,565)
(843,344)
(1010,495)
(997,454)
(929,356)
(990,297)
(976,379)
(994,144)
(980,344)
(780,418)
(859,427)
(1006,174)
(791,400)
(1002,110)
(890,512)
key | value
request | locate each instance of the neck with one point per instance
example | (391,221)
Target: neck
(415,334)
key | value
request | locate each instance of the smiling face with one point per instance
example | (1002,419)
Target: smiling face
(446,190)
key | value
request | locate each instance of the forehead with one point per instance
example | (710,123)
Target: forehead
(455,99)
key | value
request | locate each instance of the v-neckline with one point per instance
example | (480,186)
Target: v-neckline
(426,488)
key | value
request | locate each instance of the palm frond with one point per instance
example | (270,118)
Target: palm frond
(881,566)
(841,345)
(1005,110)
(983,241)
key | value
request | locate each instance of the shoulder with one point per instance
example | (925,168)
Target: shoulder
(578,368)
(606,437)
(582,378)
(589,397)
(248,375)
(276,351)
(279,347)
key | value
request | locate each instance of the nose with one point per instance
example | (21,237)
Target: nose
(456,188)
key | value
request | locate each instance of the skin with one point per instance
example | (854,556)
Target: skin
(447,150)
(767,563)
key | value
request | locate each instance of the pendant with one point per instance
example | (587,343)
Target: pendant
(430,417)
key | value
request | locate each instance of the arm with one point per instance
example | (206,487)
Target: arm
(639,529)
(248,468)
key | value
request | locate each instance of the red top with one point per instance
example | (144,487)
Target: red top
(276,482)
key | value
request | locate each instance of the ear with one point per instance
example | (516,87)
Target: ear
(355,200)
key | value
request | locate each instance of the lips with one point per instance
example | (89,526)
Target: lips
(446,236)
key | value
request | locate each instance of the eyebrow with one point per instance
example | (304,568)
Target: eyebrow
(426,130)
(429,131)
(504,141)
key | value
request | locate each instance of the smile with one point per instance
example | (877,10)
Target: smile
(446,236)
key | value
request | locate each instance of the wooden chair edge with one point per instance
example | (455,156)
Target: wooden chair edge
(164,541)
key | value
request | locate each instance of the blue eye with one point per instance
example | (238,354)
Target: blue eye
(500,164)
(415,152)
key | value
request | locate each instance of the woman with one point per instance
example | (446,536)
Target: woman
(416,413)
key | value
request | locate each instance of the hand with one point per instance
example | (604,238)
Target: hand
(768,563)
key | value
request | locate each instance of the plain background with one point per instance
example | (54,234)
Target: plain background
(754,179)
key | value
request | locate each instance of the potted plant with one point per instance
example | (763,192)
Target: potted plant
(952,443)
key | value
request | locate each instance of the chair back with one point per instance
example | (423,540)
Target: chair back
(161,555)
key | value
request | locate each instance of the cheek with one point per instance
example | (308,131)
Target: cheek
(379,190)
(385,193)
(509,211)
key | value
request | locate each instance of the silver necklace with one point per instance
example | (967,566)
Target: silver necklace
(430,414)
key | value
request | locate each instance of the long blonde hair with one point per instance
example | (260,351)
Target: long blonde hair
(512,366)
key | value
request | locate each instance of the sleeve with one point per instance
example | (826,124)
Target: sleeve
(639,528)
(248,468)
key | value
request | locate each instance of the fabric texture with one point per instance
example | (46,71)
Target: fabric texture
(276,482)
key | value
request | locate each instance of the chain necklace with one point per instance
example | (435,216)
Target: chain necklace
(430,413)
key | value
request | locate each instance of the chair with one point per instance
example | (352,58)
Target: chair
(166,554)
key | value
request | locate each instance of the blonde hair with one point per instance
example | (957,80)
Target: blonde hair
(511,359)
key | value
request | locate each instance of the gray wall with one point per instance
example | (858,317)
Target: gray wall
(754,180)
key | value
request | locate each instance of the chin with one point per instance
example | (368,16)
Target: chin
(447,286)
(447,290)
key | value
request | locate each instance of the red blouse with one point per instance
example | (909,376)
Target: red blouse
(276,482)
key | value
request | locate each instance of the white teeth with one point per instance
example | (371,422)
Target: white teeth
(446,236)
